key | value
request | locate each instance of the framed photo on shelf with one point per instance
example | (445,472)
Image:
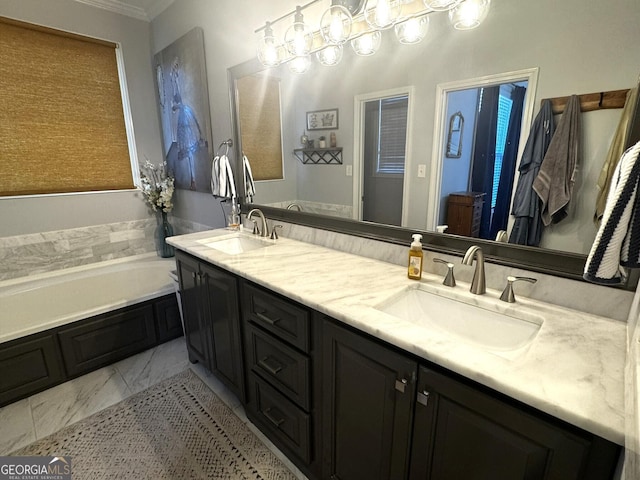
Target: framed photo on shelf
(322,119)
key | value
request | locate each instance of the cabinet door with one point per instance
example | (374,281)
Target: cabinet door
(220,294)
(461,432)
(368,392)
(196,331)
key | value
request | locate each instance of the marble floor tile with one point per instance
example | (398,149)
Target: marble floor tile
(16,426)
(72,401)
(152,366)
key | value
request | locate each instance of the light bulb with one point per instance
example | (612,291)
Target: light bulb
(298,38)
(441,5)
(268,53)
(367,44)
(330,56)
(382,14)
(412,30)
(469,14)
(300,64)
(335,25)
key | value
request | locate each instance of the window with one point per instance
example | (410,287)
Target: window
(62,122)
(504,113)
(392,135)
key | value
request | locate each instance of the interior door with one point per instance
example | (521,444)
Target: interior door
(385,133)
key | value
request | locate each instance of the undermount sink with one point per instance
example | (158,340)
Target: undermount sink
(234,244)
(477,324)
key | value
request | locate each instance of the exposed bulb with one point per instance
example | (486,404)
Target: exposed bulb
(382,14)
(330,56)
(267,49)
(367,44)
(298,37)
(412,30)
(441,5)
(335,25)
(469,14)
(300,64)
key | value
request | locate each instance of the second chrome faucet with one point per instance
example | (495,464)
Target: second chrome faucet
(478,284)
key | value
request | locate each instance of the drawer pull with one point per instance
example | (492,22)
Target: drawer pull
(266,319)
(401,385)
(271,365)
(276,421)
(423,398)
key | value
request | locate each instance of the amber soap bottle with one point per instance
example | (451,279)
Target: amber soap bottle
(415,258)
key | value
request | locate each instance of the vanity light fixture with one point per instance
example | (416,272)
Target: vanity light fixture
(298,38)
(412,30)
(441,5)
(300,64)
(360,22)
(469,14)
(335,24)
(367,44)
(268,50)
(382,14)
(330,55)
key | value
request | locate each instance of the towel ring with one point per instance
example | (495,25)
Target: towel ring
(227,144)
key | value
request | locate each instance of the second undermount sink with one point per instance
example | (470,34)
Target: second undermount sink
(482,325)
(234,244)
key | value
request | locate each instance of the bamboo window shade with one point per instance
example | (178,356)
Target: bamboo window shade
(62,126)
(259,115)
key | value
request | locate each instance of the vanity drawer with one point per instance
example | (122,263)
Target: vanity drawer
(278,316)
(282,366)
(287,423)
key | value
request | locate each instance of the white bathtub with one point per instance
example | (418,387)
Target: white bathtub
(36,303)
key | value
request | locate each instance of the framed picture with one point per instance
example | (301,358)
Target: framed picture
(322,119)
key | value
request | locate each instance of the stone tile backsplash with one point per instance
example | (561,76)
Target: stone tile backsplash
(23,255)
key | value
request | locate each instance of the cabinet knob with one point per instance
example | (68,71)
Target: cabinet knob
(401,385)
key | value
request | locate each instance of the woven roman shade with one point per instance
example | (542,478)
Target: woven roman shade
(62,124)
(259,114)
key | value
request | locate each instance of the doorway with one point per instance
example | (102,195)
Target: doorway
(380,156)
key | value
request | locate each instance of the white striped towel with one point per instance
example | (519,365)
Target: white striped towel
(222,181)
(617,242)
(249,185)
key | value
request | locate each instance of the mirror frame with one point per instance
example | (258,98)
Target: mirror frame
(455,152)
(551,262)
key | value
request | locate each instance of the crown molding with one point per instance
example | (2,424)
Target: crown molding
(147,14)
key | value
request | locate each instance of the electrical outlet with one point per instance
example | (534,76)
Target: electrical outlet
(422,171)
(349,170)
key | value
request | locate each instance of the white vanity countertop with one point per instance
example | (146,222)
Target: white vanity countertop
(573,369)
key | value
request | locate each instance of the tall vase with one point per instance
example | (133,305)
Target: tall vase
(164,230)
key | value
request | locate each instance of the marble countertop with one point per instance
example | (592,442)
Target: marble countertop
(572,370)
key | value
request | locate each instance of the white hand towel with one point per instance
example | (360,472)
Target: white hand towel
(249,185)
(222,181)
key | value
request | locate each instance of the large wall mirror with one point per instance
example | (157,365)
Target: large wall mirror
(448,73)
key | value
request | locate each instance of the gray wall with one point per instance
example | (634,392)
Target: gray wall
(33,214)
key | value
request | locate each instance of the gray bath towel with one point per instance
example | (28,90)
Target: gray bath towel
(554,183)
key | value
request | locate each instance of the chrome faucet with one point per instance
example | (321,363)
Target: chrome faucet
(478,286)
(265,229)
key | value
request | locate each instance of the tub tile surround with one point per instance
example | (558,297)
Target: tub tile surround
(572,370)
(31,254)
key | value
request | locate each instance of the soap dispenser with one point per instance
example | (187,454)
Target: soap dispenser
(415,258)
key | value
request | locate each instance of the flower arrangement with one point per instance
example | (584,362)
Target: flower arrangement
(157,186)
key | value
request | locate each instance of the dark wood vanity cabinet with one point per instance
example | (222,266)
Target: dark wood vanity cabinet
(463,432)
(368,392)
(210,307)
(280,367)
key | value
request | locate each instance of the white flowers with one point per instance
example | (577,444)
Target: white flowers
(157,186)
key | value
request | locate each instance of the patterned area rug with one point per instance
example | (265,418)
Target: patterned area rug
(177,429)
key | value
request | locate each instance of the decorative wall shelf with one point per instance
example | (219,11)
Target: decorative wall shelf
(319,155)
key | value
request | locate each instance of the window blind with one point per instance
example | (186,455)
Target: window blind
(62,125)
(392,135)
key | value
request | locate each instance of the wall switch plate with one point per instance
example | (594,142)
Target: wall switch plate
(422,171)
(349,170)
